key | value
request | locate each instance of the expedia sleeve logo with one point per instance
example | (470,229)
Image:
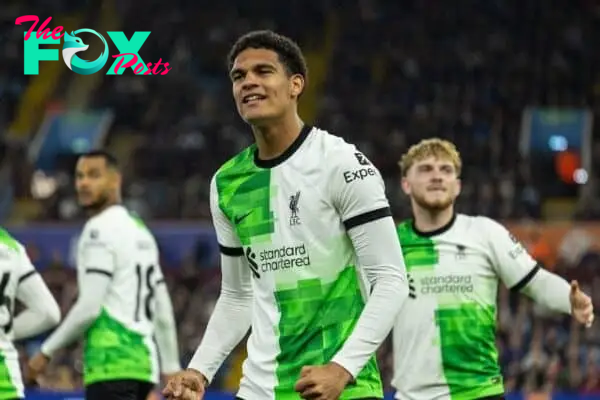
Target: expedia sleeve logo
(364,171)
(284,258)
(362,160)
(359,174)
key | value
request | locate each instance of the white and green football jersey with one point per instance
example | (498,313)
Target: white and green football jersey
(288,217)
(445,334)
(119,344)
(15,266)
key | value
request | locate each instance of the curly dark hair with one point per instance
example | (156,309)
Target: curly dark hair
(288,51)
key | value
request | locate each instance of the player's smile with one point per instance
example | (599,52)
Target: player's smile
(253,108)
(253,99)
(252,102)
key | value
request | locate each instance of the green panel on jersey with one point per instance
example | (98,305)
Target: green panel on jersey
(138,220)
(245,193)
(419,252)
(7,388)
(114,352)
(469,354)
(316,319)
(7,240)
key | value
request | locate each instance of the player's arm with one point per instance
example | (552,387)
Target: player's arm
(95,268)
(166,330)
(235,300)
(363,207)
(521,273)
(41,309)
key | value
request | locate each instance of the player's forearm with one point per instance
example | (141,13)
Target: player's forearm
(549,290)
(32,322)
(42,312)
(227,326)
(230,320)
(374,324)
(86,309)
(166,333)
(380,256)
(75,324)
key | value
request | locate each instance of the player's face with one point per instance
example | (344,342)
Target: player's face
(95,182)
(432,183)
(262,88)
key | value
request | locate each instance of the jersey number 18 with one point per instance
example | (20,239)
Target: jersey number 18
(144,279)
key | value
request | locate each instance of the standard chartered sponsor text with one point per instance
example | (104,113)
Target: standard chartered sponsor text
(284,257)
(447,284)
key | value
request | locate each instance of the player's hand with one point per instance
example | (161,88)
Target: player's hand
(167,377)
(322,382)
(185,385)
(36,366)
(581,305)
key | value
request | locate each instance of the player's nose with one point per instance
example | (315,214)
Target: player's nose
(248,86)
(82,187)
(250,82)
(437,175)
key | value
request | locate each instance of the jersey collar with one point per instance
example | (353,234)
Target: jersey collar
(273,162)
(436,232)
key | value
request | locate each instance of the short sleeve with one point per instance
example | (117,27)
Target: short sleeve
(511,260)
(229,243)
(96,251)
(356,188)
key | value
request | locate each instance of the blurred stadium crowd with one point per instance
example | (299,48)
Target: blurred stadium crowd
(384,74)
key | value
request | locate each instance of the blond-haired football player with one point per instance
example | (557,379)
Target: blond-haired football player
(444,337)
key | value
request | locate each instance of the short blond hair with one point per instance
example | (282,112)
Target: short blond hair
(434,147)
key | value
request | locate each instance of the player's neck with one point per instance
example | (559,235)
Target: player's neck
(273,139)
(427,221)
(93,212)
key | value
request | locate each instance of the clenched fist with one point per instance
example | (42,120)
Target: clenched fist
(186,385)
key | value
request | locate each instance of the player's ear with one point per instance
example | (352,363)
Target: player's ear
(296,85)
(405,185)
(458,186)
(116,178)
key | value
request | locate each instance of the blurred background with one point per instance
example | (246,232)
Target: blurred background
(514,83)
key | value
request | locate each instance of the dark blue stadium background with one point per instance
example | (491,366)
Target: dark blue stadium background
(384,74)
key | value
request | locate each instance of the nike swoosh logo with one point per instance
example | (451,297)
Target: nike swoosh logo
(240,218)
